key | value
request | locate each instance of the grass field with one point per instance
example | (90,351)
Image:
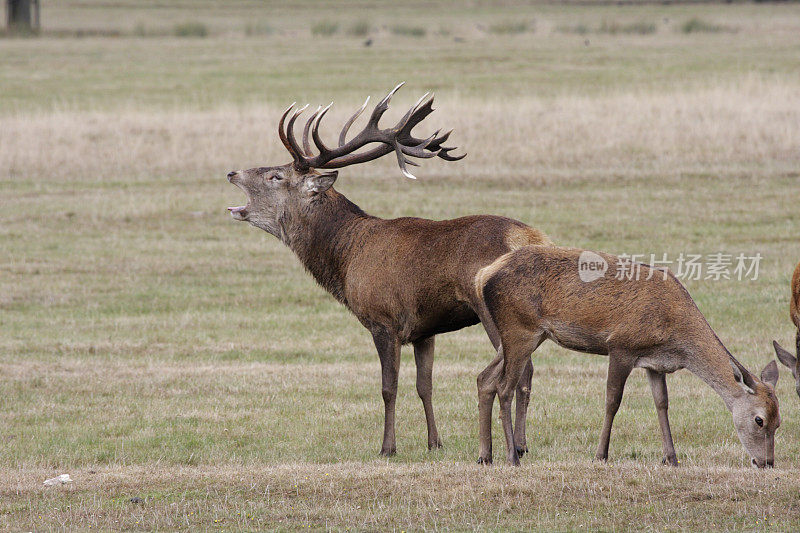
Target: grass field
(152,348)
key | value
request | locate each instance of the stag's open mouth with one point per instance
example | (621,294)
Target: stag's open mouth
(238,213)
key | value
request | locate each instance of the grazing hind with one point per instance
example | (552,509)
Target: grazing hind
(577,299)
(792,361)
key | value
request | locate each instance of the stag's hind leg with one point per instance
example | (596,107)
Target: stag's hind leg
(388,347)
(658,385)
(423,356)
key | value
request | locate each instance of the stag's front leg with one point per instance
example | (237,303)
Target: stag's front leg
(388,346)
(658,386)
(619,368)
(423,356)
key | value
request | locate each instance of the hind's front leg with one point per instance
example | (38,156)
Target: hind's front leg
(487,388)
(523,397)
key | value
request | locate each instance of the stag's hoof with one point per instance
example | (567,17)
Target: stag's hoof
(671,461)
(600,458)
(485,461)
(435,445)
(388,452)
(522,450)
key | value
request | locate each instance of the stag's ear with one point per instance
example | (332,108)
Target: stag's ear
(770,373)
(317,183)
(742,376)
(783,356)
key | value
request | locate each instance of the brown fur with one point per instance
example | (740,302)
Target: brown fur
(405,279)
(794,306)
(535,293)
(792,361)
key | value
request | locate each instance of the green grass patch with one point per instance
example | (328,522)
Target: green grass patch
(697,25)
(190,29)
(259,28)
(325,28)
(359,28)
(509,27)
(579,29)
(408,31)
(639,28)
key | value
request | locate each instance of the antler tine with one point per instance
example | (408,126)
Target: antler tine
(306,128)
(382,106)
(417,116)
(291,138)
(401,160)
(350,121)
(396,139)
(444,153)
(388,97)
(420,149)
(315,130)
(407,116)
(282,132)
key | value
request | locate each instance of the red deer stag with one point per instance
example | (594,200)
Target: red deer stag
(794,313)
(647,321)
(405,279)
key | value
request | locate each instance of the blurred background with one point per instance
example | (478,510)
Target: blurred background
(142,330)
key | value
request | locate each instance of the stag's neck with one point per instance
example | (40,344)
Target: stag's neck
(325,237)
(711,362)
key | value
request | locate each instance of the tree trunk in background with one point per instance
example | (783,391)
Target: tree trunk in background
(18,14)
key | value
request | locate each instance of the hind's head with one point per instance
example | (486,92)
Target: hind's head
(755,413)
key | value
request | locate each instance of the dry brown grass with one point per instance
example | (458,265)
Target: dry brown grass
(752,121)
(380,496)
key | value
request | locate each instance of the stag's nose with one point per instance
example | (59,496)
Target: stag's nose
(232,175)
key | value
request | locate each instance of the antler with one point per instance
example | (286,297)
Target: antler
(397,139)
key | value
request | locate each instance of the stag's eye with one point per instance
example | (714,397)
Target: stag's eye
(275,177)
(760,421)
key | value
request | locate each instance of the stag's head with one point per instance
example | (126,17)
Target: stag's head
(755,413)
(275,193)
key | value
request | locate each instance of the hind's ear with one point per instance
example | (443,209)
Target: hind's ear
(784,356)
(742,377)
(770,373)
(317,183)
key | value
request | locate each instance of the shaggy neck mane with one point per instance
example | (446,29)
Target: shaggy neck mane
(323,237)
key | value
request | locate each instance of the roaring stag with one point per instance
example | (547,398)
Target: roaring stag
(646,320)
(794,313)
(405,279)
